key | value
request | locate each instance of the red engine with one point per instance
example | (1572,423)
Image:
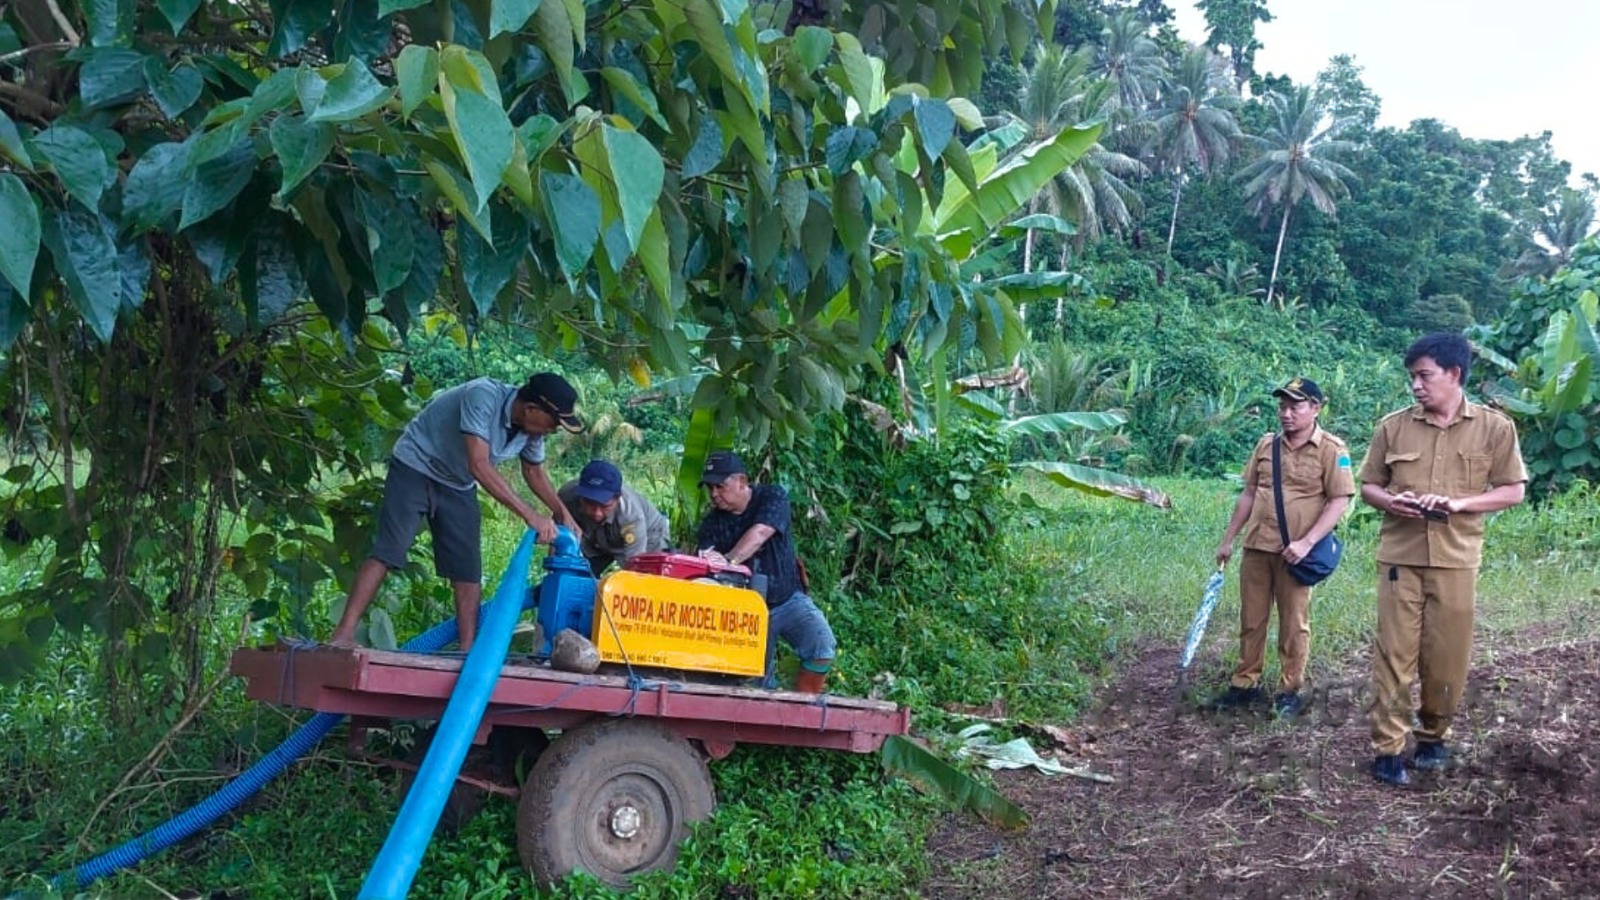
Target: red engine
(688,568)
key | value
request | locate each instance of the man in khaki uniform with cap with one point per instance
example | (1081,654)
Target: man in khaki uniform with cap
(1434,469)
(1317,486)
(618,523)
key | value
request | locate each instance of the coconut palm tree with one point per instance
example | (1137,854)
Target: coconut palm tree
(1192,129)
(1294,163)
(1559,227)
(1061,91)
(1131,61)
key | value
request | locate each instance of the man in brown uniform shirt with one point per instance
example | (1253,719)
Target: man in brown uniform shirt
(1434,469)
(1317,486)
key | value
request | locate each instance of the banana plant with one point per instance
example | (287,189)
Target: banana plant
(1554,393)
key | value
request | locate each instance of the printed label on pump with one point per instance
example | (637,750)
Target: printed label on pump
(701,626)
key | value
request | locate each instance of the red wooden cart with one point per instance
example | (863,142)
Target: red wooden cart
(615,792)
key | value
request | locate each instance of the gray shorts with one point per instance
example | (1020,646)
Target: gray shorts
(453,517)
(802,626)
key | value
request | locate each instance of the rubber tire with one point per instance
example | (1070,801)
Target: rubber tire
(564,819)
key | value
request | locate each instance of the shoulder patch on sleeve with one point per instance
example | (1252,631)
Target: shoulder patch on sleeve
(1344,461)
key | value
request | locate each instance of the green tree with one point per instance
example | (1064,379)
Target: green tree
(224,218)
(1232,24)
(1192,128)
(1131,61)
(1346,96)
(1061,91)
(1293,164)
(1554,231)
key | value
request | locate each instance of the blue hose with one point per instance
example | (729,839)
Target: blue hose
(397,863)
(230,795)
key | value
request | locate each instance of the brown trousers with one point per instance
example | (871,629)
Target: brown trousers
(1424,632)
(1264,581)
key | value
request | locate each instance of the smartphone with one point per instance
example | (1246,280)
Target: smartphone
(1437,515)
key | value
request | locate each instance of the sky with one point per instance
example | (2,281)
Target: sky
(1489,68)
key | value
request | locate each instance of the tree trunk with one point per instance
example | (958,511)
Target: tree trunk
(1283,229)
(1177,197)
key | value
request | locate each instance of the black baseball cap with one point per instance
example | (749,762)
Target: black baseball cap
(551,393)
(599,482)
(720,465)
(1301,389)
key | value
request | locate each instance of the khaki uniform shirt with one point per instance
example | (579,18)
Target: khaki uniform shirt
(1313,474)
(1476,452)
(632,527)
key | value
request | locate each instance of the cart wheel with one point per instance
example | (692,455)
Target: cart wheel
(613,799)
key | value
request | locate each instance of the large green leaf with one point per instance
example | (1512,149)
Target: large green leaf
(936,125)
(177,12)
(155,186)
(110,22)
(11,145)
(638,173)
(629,87)
(14,314)
(301,146)
(110,75)
(933,776)
(1013,183)
(553,28)
(85,254)
(294,22)
(488,269)
(389,238)
(217,181)
(351,94)
(510,15)
(483,133)
(78,160)
(176,90)
(1098,482)
(19,239)
(706,153)
(1048,424)
(416,70)
(573,210)
(1032,286)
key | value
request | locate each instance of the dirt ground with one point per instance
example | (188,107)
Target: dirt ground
(1241,805)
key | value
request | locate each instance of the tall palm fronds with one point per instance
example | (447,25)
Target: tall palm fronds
(1192,128)
(1559,227)
(1131,61)
(1294,164)
(1062,91)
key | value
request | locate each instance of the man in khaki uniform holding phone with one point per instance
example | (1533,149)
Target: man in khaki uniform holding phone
(1434,469)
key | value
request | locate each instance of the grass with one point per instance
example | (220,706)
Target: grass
(791,823)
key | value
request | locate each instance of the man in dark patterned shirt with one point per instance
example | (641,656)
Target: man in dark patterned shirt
(749,525)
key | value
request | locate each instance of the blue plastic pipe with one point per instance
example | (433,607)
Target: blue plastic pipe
(230,795)
(392,872)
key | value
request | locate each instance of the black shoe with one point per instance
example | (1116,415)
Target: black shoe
(1430,755)
(1235,697)
(1391,770)
(1288,705)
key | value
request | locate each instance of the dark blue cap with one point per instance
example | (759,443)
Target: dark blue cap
(720,465)
(600,482)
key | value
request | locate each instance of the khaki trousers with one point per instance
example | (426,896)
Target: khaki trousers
(1424,632)
(1264,581)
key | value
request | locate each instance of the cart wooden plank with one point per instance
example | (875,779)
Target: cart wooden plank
(390,684)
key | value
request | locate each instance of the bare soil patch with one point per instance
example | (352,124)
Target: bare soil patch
(1242,805)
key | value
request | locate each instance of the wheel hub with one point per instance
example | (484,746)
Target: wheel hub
(625,821)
